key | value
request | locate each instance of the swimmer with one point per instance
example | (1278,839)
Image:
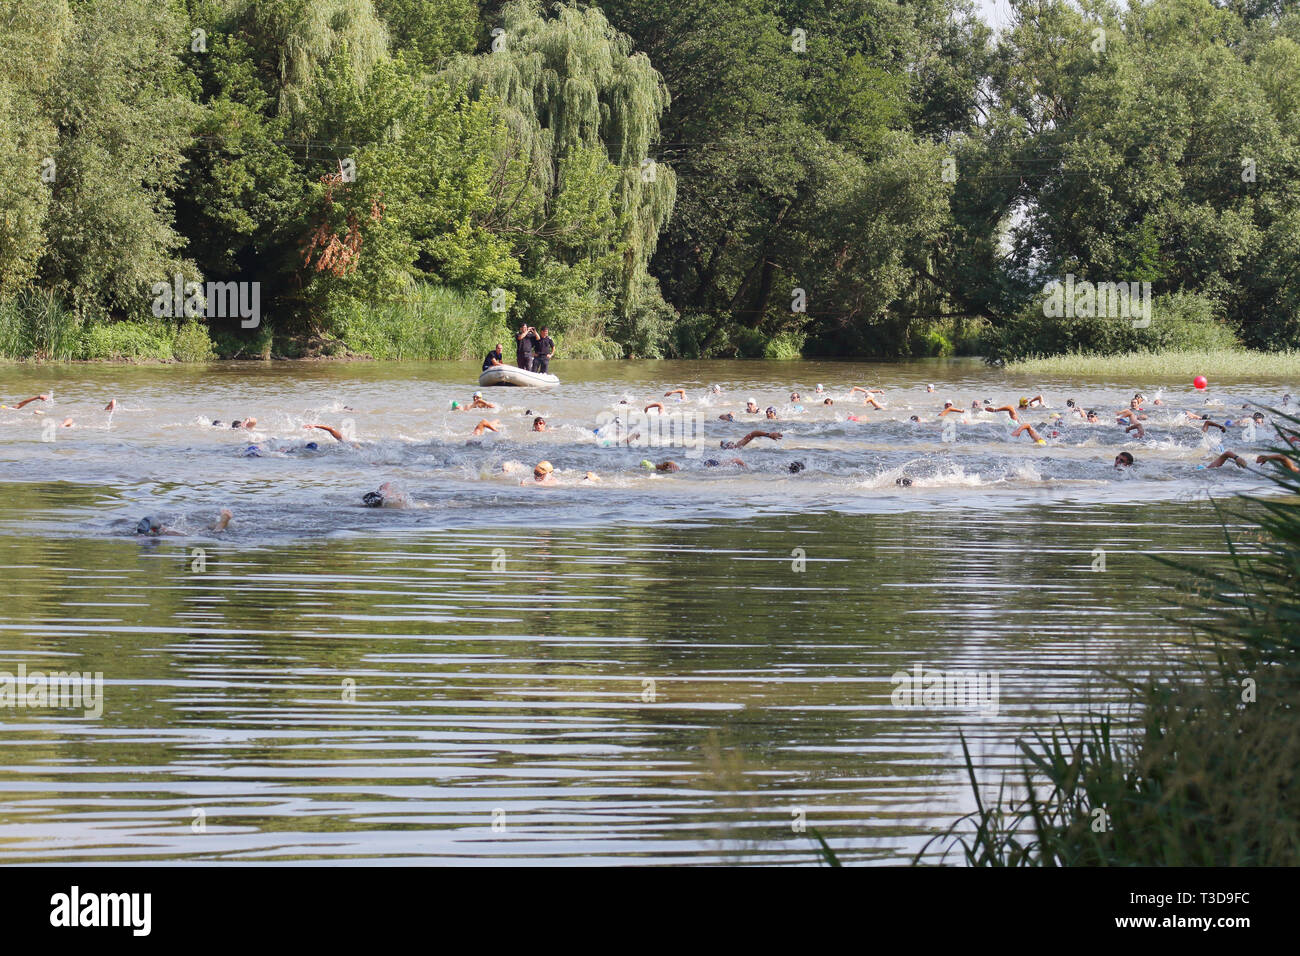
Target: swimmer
(668,466)
(1035,402)
(872,402)
(1123,460)
(819,390)
(715,389)
(903,482)
(487,426)
(248,423)
(751,407)
(68,423)
(929,388)
(679,392)
(334,432)
(1092,417)
(1226,457)
(775,436)
(829,401)
(950,408)
(1282,460)
(222,521)
(658,405)
(111,406)
(154,528)
(1038,439)
(1136,426)
(543,474)
(794,397)
(771,412)
(591,476)
(1206,425)
(729,417)
(539,424)
(479,402)
(795,467)
(1006,408)
(27,401)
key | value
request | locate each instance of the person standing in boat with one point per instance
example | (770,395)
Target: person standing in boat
(525,345)
(493,358)
(545,349)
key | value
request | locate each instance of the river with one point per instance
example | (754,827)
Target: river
(652,667)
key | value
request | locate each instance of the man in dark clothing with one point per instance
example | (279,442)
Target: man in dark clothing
(524,345)
(545,349)
(493,358)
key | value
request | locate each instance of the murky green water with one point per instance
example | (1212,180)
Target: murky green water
(576,681)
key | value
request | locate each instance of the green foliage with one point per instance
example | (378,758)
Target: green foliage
(191,343)
(429,323)
(1178,322)
(122,341)
(36,325)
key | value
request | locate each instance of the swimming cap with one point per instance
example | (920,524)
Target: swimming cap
(796,467)
(252,451)
(544,466)
(1041,442)
(1024,402)
(372,499)
(647,463)
(478,394)
(312,446)
(455,404)
(770,408)
(711,463)
(905,482)
(217,423)
(145,526)
(235,424)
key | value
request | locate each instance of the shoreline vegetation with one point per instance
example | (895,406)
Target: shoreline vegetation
(407,179)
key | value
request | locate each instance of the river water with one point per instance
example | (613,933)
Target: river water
(695,666)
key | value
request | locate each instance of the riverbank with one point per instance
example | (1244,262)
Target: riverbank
(1151,366)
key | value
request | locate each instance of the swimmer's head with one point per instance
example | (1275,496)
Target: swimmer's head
(539,424)
(905,482)
(372,499)
(1123,460)
(1069,403)
(947,404)
(478,394)
(1024,403)
(794,396)
(751,406)
(819,387)
(1258,417)
(235,424)
(312,446)
(915,418)
(455,405)
(647,464)
(252,451)
(1092,415)
(829,401)
(146,526)
(711,463)
(542,469)
(795,467)
(929,388)
(218,424)
(771,412)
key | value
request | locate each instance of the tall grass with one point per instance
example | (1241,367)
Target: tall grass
(35,325)
(1232,363)
(1209,777)
(430,323)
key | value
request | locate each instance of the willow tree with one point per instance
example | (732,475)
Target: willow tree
(567,85)
(30,47)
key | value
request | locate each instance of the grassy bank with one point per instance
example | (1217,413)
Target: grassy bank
(1179,364)
(1208,779)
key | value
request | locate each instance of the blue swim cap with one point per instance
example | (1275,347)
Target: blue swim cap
(145,526)
(312,446)
(252,451)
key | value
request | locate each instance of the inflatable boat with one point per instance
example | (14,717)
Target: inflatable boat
(512,375)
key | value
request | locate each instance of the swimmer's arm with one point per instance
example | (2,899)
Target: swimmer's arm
(658,405)
(1225,457)
(1036,400)
(485,424)
(34,398)
(953,409)
(775,436)
(338,435)
(220,523)
(676,391)
(1282,460)
(1205,426)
